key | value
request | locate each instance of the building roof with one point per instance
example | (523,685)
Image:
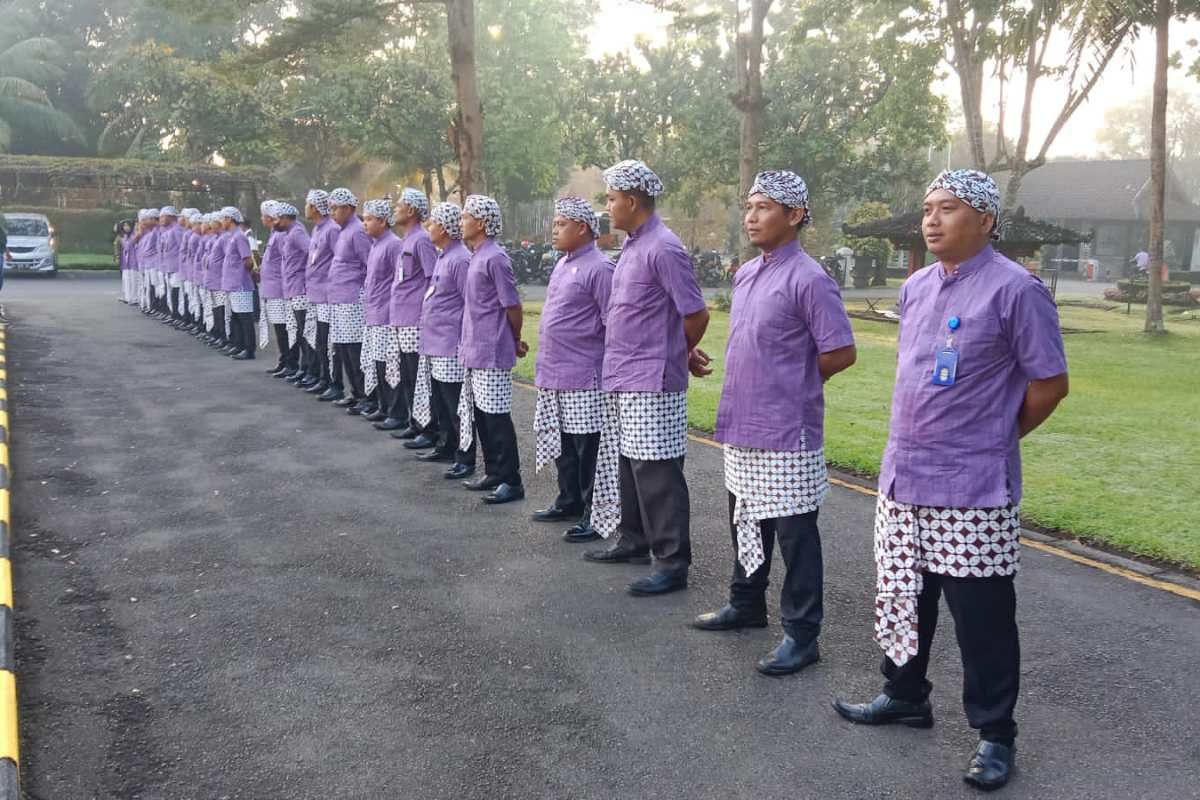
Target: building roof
(1098,190)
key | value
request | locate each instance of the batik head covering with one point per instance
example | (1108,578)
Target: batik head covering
(168,211)
(189,213)
(267,208)
(416,200)
(784,187)
(285,210)
(486,210)
(579,210)
(318,199)
(229,212)
(633,176)
(380,209)
(343,197)
(976,189)
(449,216)
(147,213)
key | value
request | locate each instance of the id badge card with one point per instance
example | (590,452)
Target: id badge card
(945,367)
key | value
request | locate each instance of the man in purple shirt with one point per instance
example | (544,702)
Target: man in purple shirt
(489,347)
(440,373)
(238,284)
(347,272)
(148,259)
(293,255)
(418,257)
(656,318)
(128,265)
(170,237)
(274,312)
(570,406)
(187,270)
(788,334)
(379,338)
(328,386)
(214,254)
(980,364)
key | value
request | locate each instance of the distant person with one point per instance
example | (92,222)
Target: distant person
(1142,260)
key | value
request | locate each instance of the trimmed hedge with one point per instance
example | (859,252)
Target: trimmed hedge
(80,230)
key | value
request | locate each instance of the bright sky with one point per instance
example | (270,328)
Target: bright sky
(621,21)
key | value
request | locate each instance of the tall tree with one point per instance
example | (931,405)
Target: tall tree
(748,99)
(28,67)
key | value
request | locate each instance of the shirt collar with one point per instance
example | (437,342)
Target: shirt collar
(971,265)
(781,253)
(646,227)
(587,249)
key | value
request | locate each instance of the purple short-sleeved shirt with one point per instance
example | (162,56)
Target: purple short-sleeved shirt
(442,311)
(959,446)
(293,253)
(412,277)
(571,335)
(270,285)
(216,260)
(169,240)
(148,250)
(320,259)
(654,287)
(187,252)
(234,275)
(128,253)
(487,341)
(348,270)
(786,312)
(381,268)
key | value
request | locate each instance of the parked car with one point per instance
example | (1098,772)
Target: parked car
(32,245)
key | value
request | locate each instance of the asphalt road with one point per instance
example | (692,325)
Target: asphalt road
(227,590)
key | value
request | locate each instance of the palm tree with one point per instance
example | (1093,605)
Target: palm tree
(26,67)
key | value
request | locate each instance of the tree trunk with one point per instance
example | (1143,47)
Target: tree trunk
(468,127)
(970,81)
(1158,167)
(751,105)
(441,182)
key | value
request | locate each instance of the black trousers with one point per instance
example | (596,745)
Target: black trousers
(333,377)
(247,338)
(175,312)
(281,344)
(985,623)
(218,330)
(498,440)
(801,598)
(307,357)
(349,355)
(443,400)
(656,511)
(576,471)
(400,404)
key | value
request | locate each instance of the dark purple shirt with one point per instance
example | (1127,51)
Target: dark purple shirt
(487,340)
(382,262)
(412,278)
(442,311)
(234,275)
(349,268)
(293,251)
(786,311)
(270,284)
(654,287)
(571,335)
(958,446)
(320,259)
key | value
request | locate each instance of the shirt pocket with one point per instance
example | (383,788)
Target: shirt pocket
(980,343)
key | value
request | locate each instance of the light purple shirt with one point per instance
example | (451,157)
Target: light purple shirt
(234,275)
(412,277)
(571,335)
(293,252)
(381,268)
(128,253)
(958,446)
(187,246)
(169,240)
(270,284)
(786,311)
(487,340)
(216,261)
(349,267)
(654,287)
(148,250)
(320,259)
(442,311)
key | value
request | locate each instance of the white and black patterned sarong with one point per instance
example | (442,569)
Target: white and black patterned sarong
(241,302)
(380,344)
(562,411)
(489,390)
(771,484)
(173,280)
(643,426)
(275,312)
(317,312)
(346,321)
(444,369)
(295,305)
(956,542)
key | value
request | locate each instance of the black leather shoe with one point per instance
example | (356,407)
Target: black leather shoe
(883,710)
(991,766)
(365,410)
(275,369)
(408,433)
(245,355)
(354,409)
(483,483)
(616,554)
(330,394)
(348,401)
(434,457)
(378,415)
(391,424)
(579,533)
(287,374)
(788,658)
(504,493)
(295,379)
(422,442)
(317,388)
(553,513)
(660,582)
(307,382)
(728,618)
(458,472)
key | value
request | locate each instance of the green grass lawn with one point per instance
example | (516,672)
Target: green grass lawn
(86,261)
(1118,464)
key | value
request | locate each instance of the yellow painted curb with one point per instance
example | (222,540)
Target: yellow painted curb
(9,739)
(6,590)
(5,517)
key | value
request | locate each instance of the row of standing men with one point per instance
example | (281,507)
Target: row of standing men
(392,318)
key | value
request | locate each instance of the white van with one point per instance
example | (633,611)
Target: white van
(32,246)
